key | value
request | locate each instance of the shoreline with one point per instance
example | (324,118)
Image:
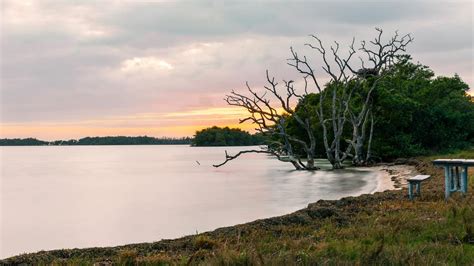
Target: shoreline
(389,177)
(393,176)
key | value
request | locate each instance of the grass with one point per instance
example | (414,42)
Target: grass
(380,229)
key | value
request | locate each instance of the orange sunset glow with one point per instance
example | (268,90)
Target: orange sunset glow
(179,124)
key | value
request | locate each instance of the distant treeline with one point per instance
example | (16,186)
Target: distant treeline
(217,136)
(117,140)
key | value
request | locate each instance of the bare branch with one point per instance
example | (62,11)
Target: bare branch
(232,157)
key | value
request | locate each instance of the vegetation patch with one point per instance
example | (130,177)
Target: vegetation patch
(225,136)
(115,140)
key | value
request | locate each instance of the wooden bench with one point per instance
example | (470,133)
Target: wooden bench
(416,180)
(455,174)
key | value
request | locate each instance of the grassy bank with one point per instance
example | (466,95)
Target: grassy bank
(383,228)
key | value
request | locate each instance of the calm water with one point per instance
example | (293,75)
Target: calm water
(66,197)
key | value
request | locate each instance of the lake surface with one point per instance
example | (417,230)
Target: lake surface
(82,196)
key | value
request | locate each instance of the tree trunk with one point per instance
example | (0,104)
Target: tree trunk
(310,164)
(359,152)
(296,164)
(337,165)
(369,145)
(359,135)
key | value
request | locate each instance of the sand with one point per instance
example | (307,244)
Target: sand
(393,177)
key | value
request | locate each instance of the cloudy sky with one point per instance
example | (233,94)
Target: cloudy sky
(71,69)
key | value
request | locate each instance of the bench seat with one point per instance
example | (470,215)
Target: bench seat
(419,178)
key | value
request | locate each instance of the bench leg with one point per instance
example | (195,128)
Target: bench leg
(457,184)
(447,183)
(410,190)
(464,180)
(418,189)
(452,178)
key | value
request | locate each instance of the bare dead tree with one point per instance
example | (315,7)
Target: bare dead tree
(340,77)
(381,55)
(344,80)
(272,122)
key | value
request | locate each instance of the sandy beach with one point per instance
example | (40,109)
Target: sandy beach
(393,177)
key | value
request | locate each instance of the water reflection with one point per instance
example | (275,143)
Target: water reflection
(66,197)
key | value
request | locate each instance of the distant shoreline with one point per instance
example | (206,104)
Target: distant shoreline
(46,145)
(108,140)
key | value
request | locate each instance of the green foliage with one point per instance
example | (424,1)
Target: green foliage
(418,114)
(415,113)
(216,136)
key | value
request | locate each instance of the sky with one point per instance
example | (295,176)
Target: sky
(71,69)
